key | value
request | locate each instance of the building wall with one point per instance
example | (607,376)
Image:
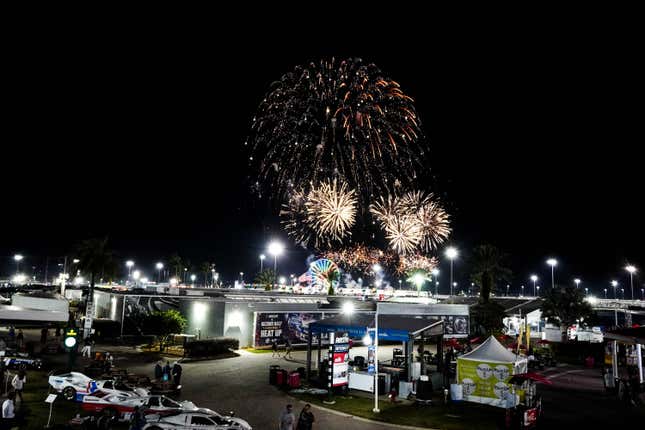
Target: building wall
(205,317)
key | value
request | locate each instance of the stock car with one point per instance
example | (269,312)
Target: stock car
(120,406)
(203,419)
(73,383)
(114,386)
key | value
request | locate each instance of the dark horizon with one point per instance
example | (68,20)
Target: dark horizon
(531,149)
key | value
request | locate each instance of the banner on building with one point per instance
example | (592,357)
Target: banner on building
(455,325)
(279,326)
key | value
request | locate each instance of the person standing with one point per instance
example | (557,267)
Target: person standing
(167,371)
(287,419)
(176,373)
(8,411)
(87,347)
(306,418)
(158,371)
(12,335)
(274,347)
(20,340)
(287,347)
(18,383)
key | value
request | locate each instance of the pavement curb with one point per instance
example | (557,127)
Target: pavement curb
(366,420)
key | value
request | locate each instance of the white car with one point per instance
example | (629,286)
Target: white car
(203,419)
(120,406)
(71,383)
(117,387)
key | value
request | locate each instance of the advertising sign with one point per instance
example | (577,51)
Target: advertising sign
(484,379)
(340,356)
(280,326)
(371,350)
(455,325)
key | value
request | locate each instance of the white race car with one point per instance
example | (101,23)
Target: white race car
(118,405)
(71,383)
(117,387)
(203,419)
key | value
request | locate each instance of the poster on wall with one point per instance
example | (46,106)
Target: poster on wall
(280,326)
(455,325)
(484,379)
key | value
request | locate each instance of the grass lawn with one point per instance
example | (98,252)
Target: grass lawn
(258,351)
(36,411)
(460,415)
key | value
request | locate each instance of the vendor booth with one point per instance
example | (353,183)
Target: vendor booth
(485,372)
(401,370)
(624,356)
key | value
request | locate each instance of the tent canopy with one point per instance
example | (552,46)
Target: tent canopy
(491,351)
(390,327)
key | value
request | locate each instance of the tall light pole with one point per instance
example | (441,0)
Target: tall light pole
(522,290)
(262,257)
(552,262)
(631,269)
(435,273)
(159,266)
(538,290)
(451,253)
(129,264)
(586,291)
(275,249)
(614,284)
(18,258)
(577,281)
(534,278)
(192,279)
(605,290)
(508,287)
(136,275)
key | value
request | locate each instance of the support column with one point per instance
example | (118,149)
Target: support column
(639,357)
(308,374)
(319,353)
(409,355)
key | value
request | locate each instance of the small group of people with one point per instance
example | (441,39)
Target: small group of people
(9,405)
(287,349)
(166,372)
(288,419)
(14,339)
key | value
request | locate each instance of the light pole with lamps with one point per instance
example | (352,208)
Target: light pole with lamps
(552,262)
(435,273)
(159,266)
(534,278)
(522,290)
(262,257)
(631,269)
(577,281)
(538,290)
(451,253)
(18,258)
(586,291)
(192,279)
(614,284)
(129,264)
(605,290)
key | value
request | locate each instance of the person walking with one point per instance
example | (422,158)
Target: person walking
(306,418)
(158,371)
(176,373)
(8,411)
(274,347)
(20,340)
(18,383)
(287,419)
(87,347)
(287,349)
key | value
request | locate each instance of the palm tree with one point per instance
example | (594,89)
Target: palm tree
(175,263)
(95,258)
(266,278)
(488,267)
(206,268)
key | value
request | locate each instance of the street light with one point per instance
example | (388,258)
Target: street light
(538,290)
(605,291)
(534,278)
(136,275)
(262,257)
(18,258)
(129,265)
(614,284)
(577,281)
(631,269)
(451,253)
(159,266)
(642,293)
(586,291)
(507,288)
(552,262)
(275,249)
(192,279)
(522,290)
(283,280)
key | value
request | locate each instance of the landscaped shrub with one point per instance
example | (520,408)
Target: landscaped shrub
(211,347)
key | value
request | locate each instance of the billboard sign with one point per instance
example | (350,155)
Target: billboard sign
(279,326)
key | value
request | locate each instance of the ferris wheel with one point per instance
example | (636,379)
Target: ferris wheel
(324,273)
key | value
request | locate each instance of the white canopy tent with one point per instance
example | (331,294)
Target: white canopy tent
(484,373)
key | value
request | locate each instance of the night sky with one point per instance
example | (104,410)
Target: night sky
(534,142)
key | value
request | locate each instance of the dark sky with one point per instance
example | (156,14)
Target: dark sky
(535,142)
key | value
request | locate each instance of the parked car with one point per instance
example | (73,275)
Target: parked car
(120,406)
(69,384)
(115,386)
(204,419)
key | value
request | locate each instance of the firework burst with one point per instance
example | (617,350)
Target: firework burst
(331,211)
(412,262)
(361,258)
(414,221)
(336,119)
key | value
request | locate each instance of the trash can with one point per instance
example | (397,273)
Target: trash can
(294,380)
(273,372)
(281,377)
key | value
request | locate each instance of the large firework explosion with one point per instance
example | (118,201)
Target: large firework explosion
(412,262)
(321,217)
(361,258)
(412,222)
(336,119)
